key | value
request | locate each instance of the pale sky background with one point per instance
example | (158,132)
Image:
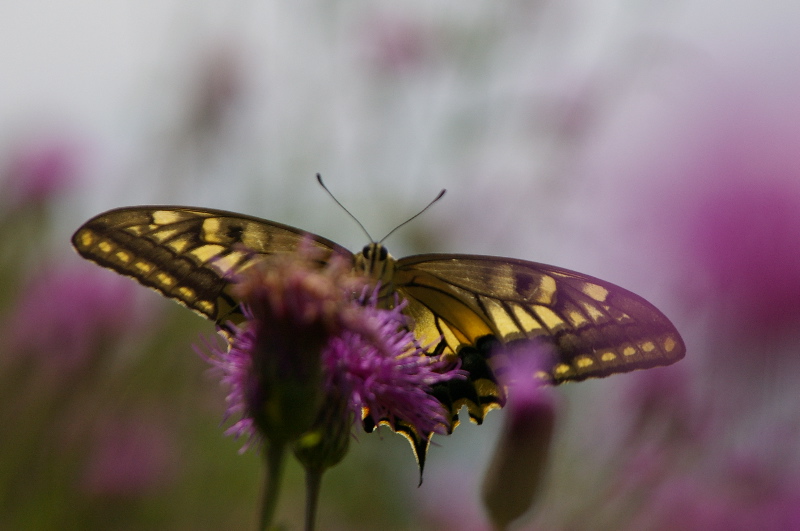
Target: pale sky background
(117,75)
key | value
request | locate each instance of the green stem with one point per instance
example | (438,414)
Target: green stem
(275,459)
(313,484)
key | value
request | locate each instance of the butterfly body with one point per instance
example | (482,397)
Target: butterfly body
(482,309)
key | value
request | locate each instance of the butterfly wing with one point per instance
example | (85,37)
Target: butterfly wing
(585,327)
(189,254)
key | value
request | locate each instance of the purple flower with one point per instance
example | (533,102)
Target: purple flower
(273,362)
(310,344)
(385,373)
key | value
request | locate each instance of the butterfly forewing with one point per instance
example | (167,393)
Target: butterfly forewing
(485,309)
(188,254)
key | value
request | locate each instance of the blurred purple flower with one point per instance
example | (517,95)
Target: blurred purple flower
(709,503)
(394,43)
(452,508)
(129,457)
(665,408)
(220,87)
(65,317)
(516,471)
(745,234)
(729,193)
(40,169)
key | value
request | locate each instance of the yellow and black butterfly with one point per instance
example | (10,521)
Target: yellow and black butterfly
(480,308)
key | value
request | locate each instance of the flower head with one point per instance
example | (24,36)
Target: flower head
(314,341)
(386,373)
(273,362)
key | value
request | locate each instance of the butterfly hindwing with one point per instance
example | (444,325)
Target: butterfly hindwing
(188,254)
(486,309)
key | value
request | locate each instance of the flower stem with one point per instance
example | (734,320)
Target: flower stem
(275,458)
(313,484)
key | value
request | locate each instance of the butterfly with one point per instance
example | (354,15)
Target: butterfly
(483,309)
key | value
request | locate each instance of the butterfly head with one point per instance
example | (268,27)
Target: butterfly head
(375,262)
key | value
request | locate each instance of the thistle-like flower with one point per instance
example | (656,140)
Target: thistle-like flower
(315,354)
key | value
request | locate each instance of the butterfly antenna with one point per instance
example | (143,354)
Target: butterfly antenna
(322,184)
(441,194)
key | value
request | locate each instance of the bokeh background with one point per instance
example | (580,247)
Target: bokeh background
(652,144)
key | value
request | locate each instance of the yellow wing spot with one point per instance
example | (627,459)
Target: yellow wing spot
(596,292)
(594,312)
(608,356)
(616,313)
(212,231)
(485,387)
(670,344)
(544,292)
(105,247)
(228,262)
(206,307)
(541,375)
(648,346)
(186,293)
(628,351)
(576,318)
(164,234)
(86,238)
(123,256)
(164,279)
(583,362)
(476,412)
(138,230)
(145,268)
(529,325)
(165,217)
(204,253)
(449,336)
(551,320)
(506,327)
(180,244)
(561,369)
